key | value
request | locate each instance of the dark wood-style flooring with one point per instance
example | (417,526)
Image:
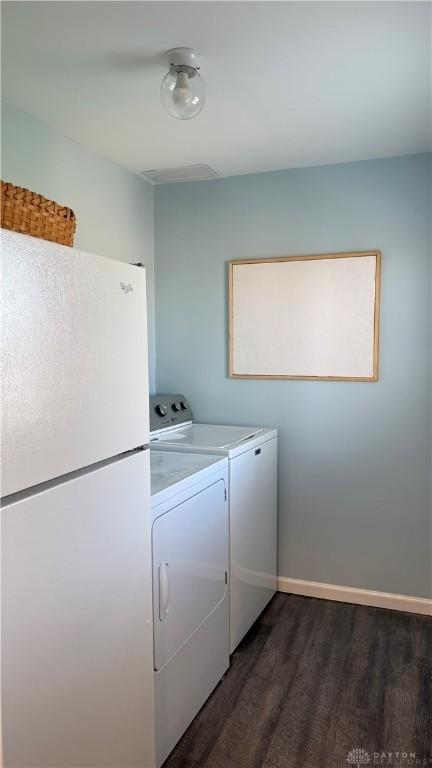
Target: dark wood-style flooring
(313,680)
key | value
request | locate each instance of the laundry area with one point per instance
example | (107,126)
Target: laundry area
(216,255)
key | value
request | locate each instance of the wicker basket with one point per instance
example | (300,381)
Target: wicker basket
(31,214)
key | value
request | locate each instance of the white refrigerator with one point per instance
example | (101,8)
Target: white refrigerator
(77,657)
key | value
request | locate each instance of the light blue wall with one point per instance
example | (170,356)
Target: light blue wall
(354,458)
(354,468)
(114,208)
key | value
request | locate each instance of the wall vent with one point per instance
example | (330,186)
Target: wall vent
(187,173)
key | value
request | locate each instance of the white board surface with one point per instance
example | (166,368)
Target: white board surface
(305,317)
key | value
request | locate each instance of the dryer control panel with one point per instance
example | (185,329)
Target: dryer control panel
(168,411)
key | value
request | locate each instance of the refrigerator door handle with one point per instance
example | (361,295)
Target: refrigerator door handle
(164,591)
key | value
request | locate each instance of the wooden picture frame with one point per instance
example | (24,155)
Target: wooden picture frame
(360,282)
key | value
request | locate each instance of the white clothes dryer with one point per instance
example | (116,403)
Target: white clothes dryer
(190,587)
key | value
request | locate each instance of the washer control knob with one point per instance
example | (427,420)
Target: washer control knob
(161,410)
(184,405)
(176,406)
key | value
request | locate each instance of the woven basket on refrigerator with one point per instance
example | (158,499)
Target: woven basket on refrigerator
(32,214)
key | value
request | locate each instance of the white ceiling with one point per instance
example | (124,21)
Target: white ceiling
(289,83)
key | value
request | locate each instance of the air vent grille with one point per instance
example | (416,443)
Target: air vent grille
(187,173)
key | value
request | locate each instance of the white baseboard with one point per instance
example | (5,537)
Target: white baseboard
(353,595)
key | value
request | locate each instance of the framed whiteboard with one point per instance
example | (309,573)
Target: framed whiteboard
(305,317)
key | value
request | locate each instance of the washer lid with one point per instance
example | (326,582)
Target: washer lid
(210,436)
(168,468)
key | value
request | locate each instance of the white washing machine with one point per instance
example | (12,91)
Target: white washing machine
(252,462)
(190,587)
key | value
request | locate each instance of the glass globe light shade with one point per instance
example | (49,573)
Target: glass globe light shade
(183,93)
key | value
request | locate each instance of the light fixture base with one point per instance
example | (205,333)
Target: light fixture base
(183,59)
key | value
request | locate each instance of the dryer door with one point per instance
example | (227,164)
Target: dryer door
(190,556)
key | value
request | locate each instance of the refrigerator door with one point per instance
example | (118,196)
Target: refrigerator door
(77,622)
(74,360)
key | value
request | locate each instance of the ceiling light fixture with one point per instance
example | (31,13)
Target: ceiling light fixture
(183,89)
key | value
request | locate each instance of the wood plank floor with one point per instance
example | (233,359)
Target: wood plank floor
(313,680)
